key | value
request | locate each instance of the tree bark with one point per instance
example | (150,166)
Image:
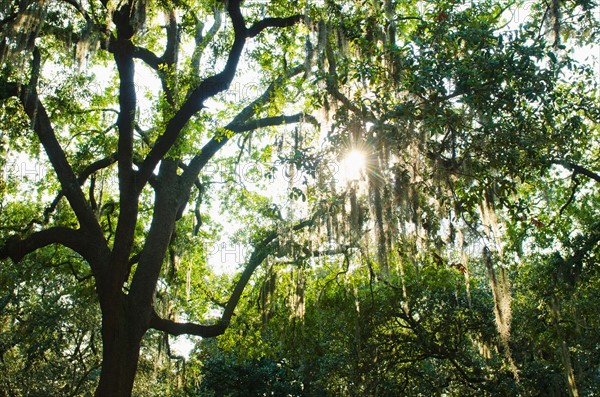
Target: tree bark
(122,331)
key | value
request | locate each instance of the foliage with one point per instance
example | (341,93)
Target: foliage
(460,260)
(50,336)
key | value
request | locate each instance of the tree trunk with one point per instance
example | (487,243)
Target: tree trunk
(568,367)
(122,332)
(564,350)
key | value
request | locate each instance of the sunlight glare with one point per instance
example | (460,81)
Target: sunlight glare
(353,165)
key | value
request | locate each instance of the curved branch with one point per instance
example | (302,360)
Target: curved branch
(577,169)
(147,56)
(169,59)
(176,329)
(16,248)
(257,257)
(273,121)
(274,23)
(96,166)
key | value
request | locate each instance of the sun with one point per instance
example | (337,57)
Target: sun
(353,165)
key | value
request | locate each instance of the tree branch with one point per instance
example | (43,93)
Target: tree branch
(274,23)
(96,166)
(89,170)
(166,203)
(202,42)
(43,128)
(175,328)
(170,54)
(272,121)
(217,142)
(127,111)
(169,59)
(577,169)
(208,87)
(149,58)
(128,193)
(16,248)
(257,257)
(195,102)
